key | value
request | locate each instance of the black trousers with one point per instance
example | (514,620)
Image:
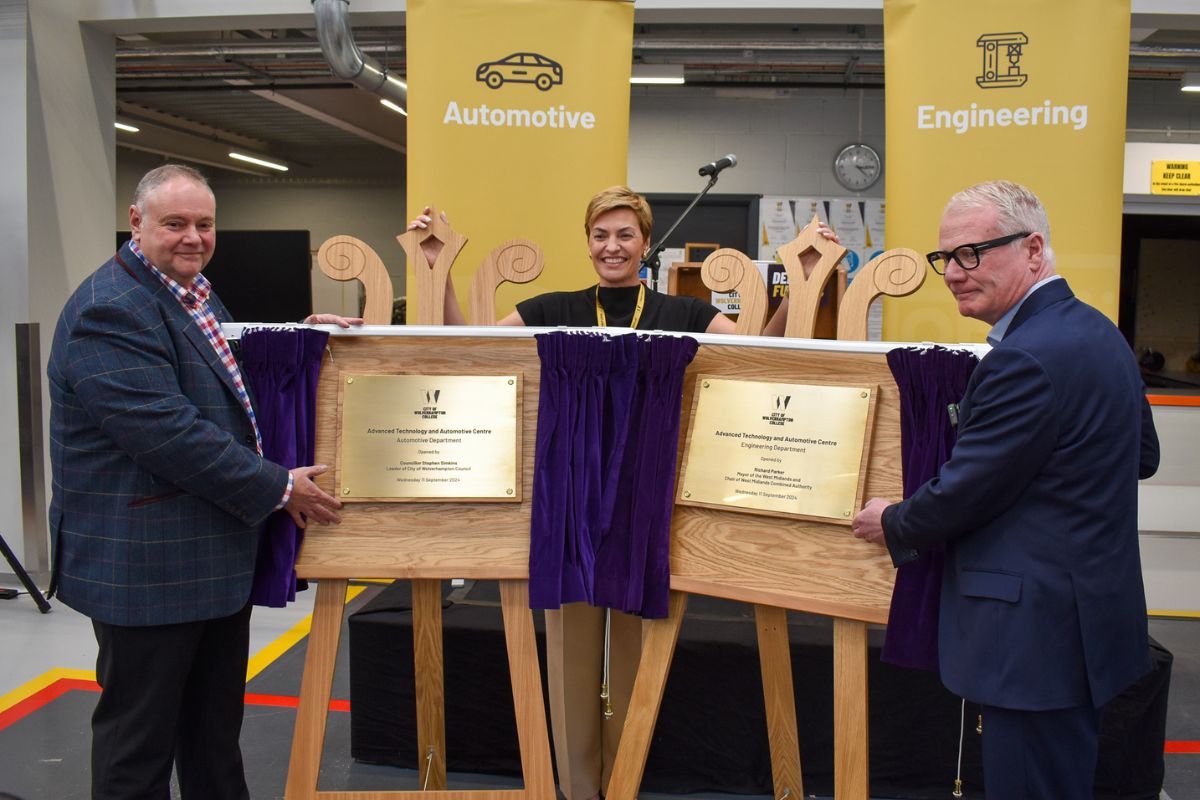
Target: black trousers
(170,694)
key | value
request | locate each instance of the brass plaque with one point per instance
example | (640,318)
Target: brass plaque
(428,437)
(777,448)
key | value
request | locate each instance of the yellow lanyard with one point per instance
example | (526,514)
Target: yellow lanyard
(602,321)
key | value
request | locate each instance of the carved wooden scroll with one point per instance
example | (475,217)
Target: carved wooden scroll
(345,258)
(515,261)
(729,270)
(896,273)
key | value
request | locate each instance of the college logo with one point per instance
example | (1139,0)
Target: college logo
(1002,60)
(778,415)
(534,68)
(429,404)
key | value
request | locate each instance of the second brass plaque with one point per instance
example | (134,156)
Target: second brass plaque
(781,448)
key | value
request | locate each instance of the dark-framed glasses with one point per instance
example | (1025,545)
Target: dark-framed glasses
(967,255)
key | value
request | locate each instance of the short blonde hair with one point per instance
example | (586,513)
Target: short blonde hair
(615,197)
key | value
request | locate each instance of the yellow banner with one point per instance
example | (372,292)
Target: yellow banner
(1024,90)
(518,114)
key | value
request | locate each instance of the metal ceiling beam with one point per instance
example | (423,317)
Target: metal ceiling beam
(337,121)
(162,119)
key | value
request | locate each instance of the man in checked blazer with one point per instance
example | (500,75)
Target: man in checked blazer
(159,494)
(1042,614)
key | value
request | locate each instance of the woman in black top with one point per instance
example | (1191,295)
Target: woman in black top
(618,224)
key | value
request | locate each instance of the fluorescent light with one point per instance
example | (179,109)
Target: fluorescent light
(657,73)
(121,126)
(262,162)
(393,107)
(1190,82)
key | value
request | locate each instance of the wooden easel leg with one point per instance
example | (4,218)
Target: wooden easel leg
(658,647)
(315,688)
(850,766)
(779,696)
(532,733)
(429,672)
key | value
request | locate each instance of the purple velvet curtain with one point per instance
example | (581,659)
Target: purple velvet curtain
(604,471)
(281,368)
(929,381)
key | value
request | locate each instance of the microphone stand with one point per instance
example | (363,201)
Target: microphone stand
(651,259)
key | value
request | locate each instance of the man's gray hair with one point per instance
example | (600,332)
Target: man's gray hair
(160,175)
(1017,208)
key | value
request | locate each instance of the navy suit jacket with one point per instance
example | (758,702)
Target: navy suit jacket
(1042,602)
(158,492)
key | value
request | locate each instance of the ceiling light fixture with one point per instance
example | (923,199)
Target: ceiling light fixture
(1190,82)
(393,107)
(262,162)
(657,73)
(121,126)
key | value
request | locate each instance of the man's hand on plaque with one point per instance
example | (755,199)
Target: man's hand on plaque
(309,501)
(868,523)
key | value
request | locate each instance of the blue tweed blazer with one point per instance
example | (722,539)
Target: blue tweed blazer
(158,492)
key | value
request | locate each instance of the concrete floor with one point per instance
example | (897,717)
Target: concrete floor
(44,753)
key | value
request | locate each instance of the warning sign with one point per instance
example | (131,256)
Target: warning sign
(1175,177)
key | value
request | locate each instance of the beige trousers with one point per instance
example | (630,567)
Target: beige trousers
(585,743)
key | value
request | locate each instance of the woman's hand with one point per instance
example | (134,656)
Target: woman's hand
(431,246)
(808,260)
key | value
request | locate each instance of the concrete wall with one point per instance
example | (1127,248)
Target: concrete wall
(57,188)
(785,141)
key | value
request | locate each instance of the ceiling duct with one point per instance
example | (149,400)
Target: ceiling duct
(347,60)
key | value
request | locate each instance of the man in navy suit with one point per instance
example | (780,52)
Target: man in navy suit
(159,494)
(1043,613)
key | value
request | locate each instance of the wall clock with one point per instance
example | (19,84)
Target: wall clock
(857,166)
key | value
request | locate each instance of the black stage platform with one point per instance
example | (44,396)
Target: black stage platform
(711,732)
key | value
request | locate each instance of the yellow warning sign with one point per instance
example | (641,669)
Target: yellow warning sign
(1175,177)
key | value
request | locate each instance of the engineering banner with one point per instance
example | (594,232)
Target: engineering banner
(1023,90)
(518,114)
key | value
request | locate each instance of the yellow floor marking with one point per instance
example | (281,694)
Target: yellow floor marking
(263,658)
(257,663)
(47,678)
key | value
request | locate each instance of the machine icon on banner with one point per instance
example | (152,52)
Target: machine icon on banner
(1002,60)
(534,68)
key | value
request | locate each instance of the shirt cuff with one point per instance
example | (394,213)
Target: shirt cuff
(287,493)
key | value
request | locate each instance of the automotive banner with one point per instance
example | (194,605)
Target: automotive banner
(518,114)
(1023,90)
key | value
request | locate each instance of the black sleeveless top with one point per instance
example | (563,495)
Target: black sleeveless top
(662,312)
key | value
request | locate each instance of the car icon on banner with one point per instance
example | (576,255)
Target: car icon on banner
(532,68)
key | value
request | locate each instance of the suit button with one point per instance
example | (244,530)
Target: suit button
(249,440)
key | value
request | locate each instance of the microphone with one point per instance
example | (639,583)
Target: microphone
(715,167)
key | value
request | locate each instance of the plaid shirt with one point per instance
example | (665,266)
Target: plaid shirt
(195,302)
